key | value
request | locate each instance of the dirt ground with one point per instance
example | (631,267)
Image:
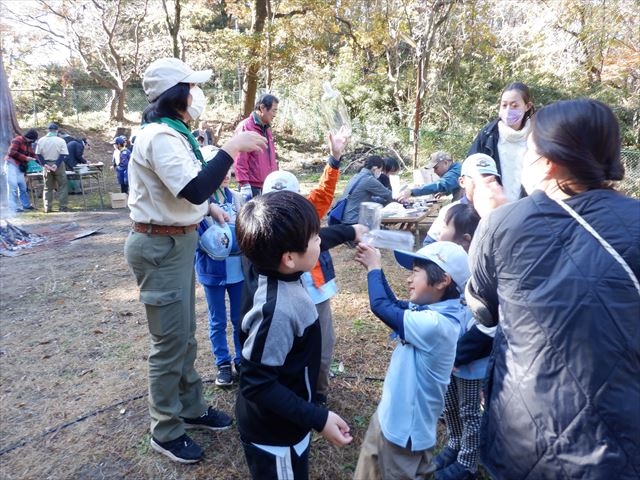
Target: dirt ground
(73,351)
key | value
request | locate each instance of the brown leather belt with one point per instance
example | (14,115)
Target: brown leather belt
(152,229)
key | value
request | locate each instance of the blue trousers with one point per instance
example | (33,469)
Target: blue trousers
(18,196)
(215,296)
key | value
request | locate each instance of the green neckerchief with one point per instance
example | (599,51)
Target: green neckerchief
(217,198)
(180,127)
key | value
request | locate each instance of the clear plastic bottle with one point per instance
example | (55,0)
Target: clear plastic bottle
(390,239)
(334,110)
(370,215)
(245,192)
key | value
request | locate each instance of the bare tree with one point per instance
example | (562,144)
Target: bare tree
(424,35)
(173,25)
(105,36)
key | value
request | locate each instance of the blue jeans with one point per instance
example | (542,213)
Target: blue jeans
(218,320)
(17,186)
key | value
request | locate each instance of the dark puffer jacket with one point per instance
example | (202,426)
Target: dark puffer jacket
(563,390)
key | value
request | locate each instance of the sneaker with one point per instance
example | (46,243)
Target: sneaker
(455,471)
(182,449)
(446,457)
(212,419)
(30,207)
(224,377)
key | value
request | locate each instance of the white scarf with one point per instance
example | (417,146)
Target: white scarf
(512,145)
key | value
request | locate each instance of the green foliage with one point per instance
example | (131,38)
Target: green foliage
(365,49)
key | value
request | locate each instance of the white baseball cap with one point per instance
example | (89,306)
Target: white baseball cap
(164,73)
(449,256)
(280,180)
(479,163)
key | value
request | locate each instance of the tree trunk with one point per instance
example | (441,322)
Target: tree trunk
(122,95)
(9,128)
(251,78)
(417,108)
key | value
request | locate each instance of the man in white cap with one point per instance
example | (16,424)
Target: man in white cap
(169,187)
(52,151)
(478,165)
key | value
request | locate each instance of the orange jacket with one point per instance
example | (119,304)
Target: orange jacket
(322,197)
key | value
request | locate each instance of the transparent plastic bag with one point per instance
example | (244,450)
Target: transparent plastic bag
(390,239)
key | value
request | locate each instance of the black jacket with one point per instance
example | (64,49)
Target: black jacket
(281,343)
(563,390)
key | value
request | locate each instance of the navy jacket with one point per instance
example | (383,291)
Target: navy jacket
(563,390)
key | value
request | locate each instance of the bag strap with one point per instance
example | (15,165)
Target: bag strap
(354,186)
(612,251)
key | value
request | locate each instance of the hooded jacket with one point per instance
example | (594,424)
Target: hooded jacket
(563,389)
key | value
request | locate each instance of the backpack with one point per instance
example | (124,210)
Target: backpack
(337,211)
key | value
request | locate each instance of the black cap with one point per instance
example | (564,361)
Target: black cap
(31,134)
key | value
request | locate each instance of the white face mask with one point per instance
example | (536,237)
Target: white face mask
(530,178)
(198,103)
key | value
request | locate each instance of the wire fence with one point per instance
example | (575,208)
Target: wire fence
(38,107)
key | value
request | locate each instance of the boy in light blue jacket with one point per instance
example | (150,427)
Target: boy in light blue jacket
(402,433)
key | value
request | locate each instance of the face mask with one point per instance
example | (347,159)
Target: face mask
(512,117)
(198,102)
(528,178)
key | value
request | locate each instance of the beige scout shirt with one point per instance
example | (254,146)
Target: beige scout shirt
(161,165)
(51,147)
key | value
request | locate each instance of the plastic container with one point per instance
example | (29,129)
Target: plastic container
(390,239)
(334,110)
(370,215)
(246,193)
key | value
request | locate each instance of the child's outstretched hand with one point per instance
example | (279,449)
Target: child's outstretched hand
(368,256)
(336,430)
(360,231)
(488,194)
(338,142)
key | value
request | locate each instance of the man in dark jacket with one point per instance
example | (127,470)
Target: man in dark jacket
(76,151)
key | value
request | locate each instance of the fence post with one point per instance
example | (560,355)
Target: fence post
(35,112)
(75,105)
